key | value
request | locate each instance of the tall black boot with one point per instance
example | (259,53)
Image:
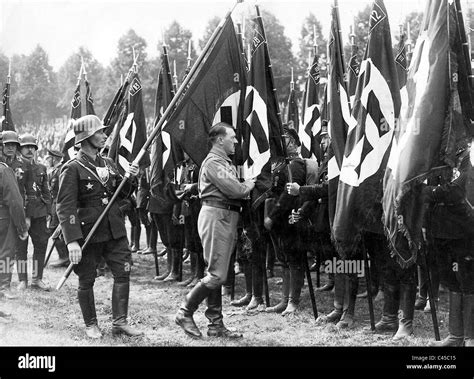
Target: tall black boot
(169,259)
(339,289)
(120,295)
(213,313)
(136,240)
(329,284)
(184,316)
(270,260)
(200,266)
(37,275)
(87,304)
(193,259)
(389,321)
(176,261)
(468,315)
(247,267)
(351,282)
(407,307)
(296,284)
(153,237)
(285,292)
(456,326)
(257,286)
(133,231)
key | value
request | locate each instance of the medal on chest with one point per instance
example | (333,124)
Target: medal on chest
(103,174)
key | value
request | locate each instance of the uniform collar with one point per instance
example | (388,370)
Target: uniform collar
(220,152)
(98,161)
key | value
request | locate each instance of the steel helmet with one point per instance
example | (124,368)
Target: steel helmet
(86,126)
(28,140)
(10,136)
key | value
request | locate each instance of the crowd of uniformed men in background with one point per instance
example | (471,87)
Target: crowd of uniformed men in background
(289,226)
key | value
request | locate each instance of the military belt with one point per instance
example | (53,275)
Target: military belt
(94,203)
(222,205)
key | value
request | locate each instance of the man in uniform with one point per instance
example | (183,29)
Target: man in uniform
(20,167)
(220,191)
(12,226)
(85,187)
(38,211)
(53,180)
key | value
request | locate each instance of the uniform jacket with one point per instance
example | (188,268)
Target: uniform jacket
(446,217)
(53,181)
(11,202)
(218,180)
(22,171)
(83,196)
(143,191)
(38,197)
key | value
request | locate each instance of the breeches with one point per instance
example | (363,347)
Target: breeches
(116,254)
(218,231)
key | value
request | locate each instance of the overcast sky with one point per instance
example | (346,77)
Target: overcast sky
(61,26)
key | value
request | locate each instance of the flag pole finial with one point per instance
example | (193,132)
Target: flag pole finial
(189,53)
(83,65)
(9,70)
(175,76)
(292,82)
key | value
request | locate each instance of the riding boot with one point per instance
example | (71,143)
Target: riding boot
(87,304)
(351,282)
(270,260)
(136,241)
(153,237)
(468,315)
(455,327)
(133,232)
(193,259)
(389,321)
(169,259)
(257,286)
(339,288)
(247,267)
(296,284)
(281,306)
(37,275)
(120,296)
(176,261)
(184,316)
(213,313)
(200,266)
(407,307)
(329,285)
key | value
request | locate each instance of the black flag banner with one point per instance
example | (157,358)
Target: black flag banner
(376,109)
(336,109)
(165,153)
(131,136)
(262,134)
(311,127)
(7,121)
(214,94)
(78,109)
(435,125)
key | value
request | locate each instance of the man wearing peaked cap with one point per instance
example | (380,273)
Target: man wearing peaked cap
(86,185)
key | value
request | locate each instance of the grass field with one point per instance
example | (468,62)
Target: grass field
(54,318)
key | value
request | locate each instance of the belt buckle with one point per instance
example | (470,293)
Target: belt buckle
(105,201)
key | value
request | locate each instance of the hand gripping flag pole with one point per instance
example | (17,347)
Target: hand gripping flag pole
(149,141)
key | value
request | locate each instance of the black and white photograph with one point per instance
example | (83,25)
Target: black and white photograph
(214,184)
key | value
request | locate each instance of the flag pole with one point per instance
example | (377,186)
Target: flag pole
(9,70)
(152,136)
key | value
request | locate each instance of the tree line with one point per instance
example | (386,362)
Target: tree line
(39,94)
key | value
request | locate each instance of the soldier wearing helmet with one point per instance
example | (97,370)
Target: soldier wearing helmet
(38,211)
(86,185)
(22,171)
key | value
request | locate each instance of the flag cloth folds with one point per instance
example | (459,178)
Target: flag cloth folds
(376,108)
(262,130)
(213,95)
(165,153)
(131,136)
(7,121)
(311,112)
(353,73)
(293,112)
(433,127)
(336,110)
(78,109)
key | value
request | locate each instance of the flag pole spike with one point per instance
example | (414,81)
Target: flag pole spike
(79,77)
(249,53)
(189,53)
(175,76)
(292,82)
(83,65)
(9,70)
(121,79)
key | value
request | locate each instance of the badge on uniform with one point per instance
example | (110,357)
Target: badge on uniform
(103,174)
